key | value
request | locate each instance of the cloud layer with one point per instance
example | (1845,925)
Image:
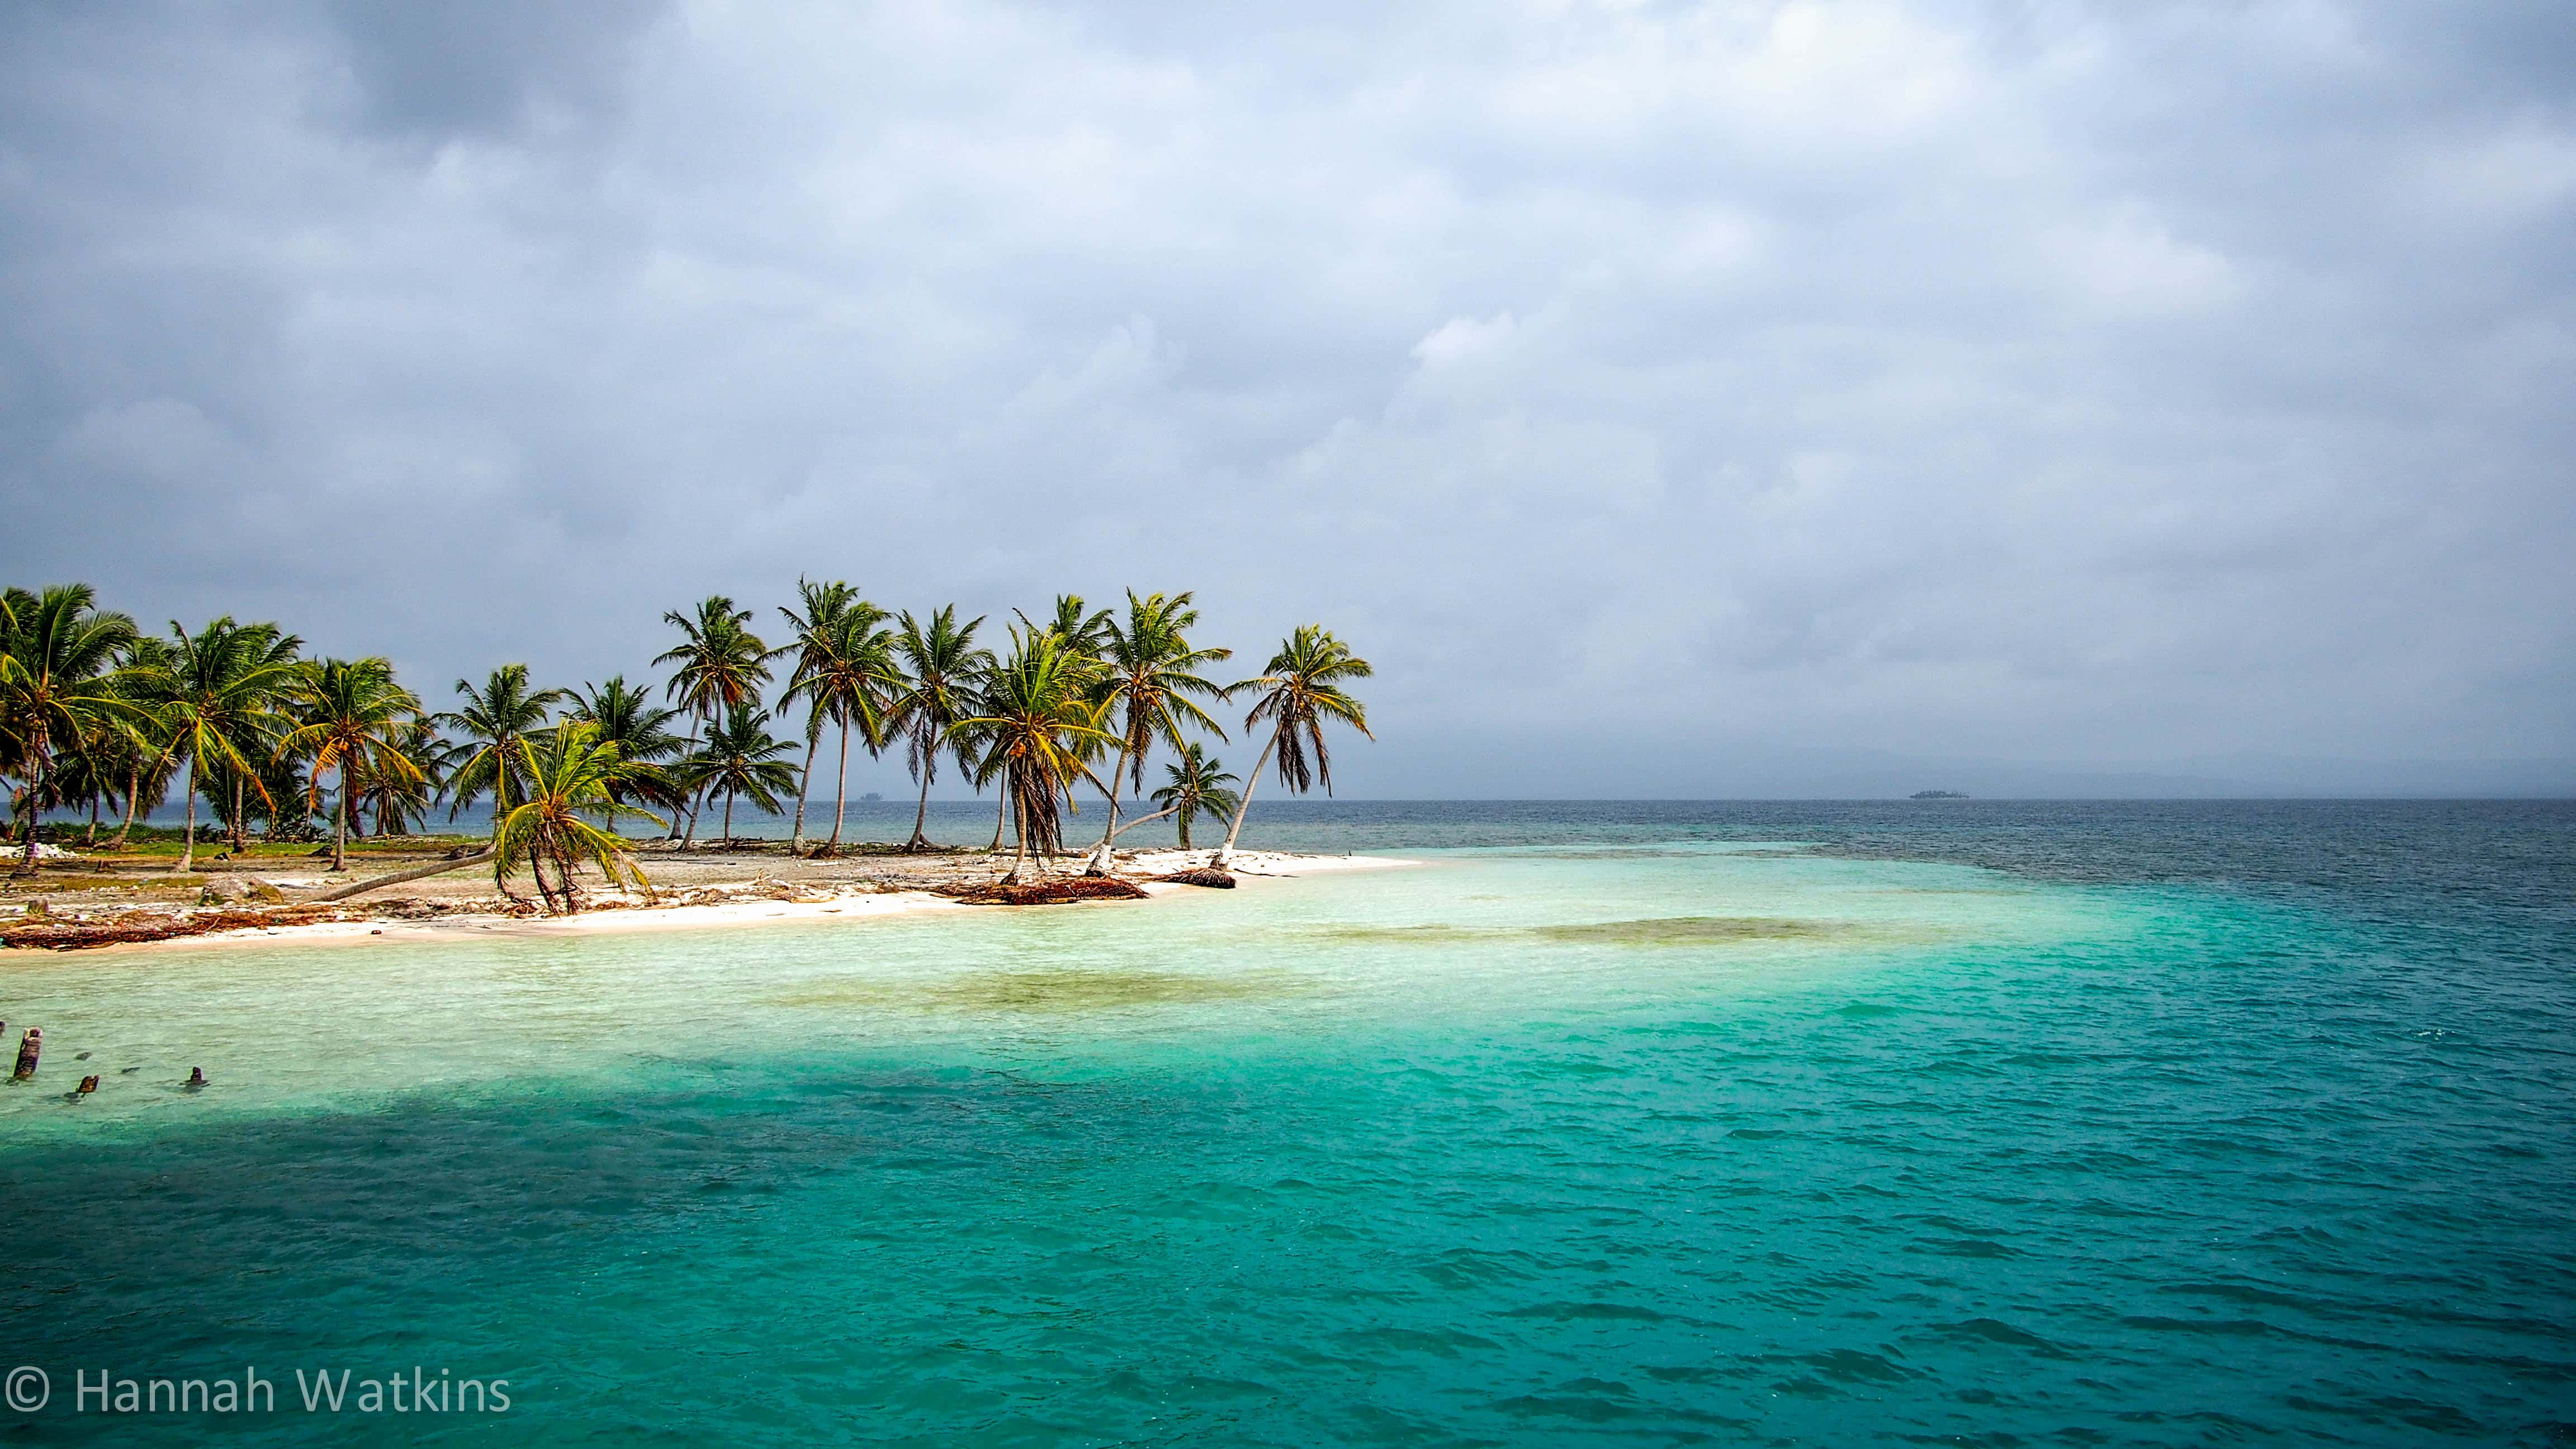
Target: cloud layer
(1652,390)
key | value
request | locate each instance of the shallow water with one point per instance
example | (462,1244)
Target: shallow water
(1832,1124)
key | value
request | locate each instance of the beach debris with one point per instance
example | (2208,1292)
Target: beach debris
(1053,891)
(131,927)
(264,892)
(1206,875)
(196,1079)
(28,1048)
(37,908)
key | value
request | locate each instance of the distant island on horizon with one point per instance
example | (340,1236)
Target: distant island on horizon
(1938,795)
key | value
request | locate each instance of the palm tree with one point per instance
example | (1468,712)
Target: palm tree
(57,657)
(641,730)
(1038,723)
(1197,788)
(356,717)
(1150,675)
(740,758)
(854,683)
(495,720)
(1300,690)
(722,666)
(148,766)
(399,802)
(940,664)
(568,773)
(215,693)
(841,664)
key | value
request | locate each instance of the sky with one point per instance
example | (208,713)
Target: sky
(1669,399)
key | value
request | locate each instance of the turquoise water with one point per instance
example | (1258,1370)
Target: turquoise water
(1817,1124)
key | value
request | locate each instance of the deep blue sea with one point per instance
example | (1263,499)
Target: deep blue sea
(1791,1123)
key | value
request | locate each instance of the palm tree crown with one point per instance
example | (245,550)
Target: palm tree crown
(1196,787)
(741,758)
(494,720)
(217,694)
(57,653)
(1038,721)
(569,772)
(357,721)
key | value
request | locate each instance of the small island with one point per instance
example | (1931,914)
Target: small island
(1938,795)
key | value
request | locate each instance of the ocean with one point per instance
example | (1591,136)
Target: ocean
(1795,1123)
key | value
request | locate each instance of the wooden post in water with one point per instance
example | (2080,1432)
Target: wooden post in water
(87,1086)
(196,1078)
(33,1043)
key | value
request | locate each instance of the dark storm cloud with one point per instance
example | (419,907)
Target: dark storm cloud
(1658,392)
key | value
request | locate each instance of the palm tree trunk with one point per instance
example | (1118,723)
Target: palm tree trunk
(1242,806)
(841,786)
(1100,862)
(241,837)
(796,838)
(1001,817)
(35,801)
(188,851)
(922,813)
(340,840)
(686,751)
(133,795)
(728,821)
(1019,819)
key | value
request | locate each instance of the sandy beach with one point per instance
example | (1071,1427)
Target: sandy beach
(745,884)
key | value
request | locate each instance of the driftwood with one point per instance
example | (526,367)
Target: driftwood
(1201,876)
(139,926)
(1053,891)
(418,872)
(27,1052)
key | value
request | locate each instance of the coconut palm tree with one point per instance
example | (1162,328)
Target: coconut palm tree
(722,666)
(1197,787)
(851,682)
(148,766)
(1148,679)
(215,694)
(494,720)
(641,730)
(398,803)
(840,666)
(58,655)
(356,719)
(939,665)
(741,758)
(1039,720)
(1300,690)
(566,773)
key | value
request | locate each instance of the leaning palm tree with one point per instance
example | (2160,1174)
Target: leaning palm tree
(215,694)
(1197,787)
(356,717)
(722,666)
(494,720)
(1300,690)
(57,657)
(1039,721)
(741,758)
(568,773)
(940,663)
(1149,677)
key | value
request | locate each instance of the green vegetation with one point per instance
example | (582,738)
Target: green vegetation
(99,717)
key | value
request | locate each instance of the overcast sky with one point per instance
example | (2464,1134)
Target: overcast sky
(1667,398)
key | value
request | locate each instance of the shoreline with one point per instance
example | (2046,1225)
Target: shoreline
(728,888)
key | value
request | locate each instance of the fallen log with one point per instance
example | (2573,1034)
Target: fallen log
(135,927)
(418,872)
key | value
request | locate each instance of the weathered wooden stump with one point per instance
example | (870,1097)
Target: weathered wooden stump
(87,1086)
(28,1047)
(1201,876)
